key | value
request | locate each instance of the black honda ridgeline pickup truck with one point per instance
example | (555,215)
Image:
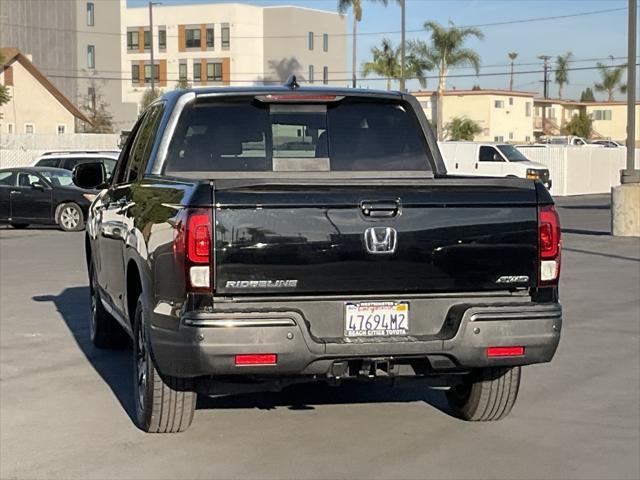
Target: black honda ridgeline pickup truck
(255,237)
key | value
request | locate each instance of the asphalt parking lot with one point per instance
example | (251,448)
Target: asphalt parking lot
(65,407)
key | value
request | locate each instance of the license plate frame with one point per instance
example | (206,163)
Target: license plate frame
(374,319)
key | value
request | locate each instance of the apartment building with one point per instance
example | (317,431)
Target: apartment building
(609,118)
(231,44)
(504,116)
(76,44)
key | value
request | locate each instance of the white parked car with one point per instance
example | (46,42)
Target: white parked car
(68,159)
(568,140)
(491,160)
(607,143)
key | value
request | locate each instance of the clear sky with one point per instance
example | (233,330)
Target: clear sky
(588,37)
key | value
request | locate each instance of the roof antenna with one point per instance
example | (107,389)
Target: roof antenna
(292,82)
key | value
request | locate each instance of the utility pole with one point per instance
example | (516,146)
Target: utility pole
(153,66)
(545,58)
(402,28)
(625,198)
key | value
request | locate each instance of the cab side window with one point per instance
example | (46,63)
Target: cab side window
(26,179)
(489,154)
(143,143)
(7,179)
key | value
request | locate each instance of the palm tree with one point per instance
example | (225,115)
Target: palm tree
(512,56)
(611,80)
(562,71)
(448,51)
(385,62)
(418,62)
(356,5)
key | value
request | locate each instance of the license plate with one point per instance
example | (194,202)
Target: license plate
(376,319)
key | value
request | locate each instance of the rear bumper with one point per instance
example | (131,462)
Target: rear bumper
(205,344)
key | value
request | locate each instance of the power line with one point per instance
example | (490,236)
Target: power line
(377,33)
(348,79)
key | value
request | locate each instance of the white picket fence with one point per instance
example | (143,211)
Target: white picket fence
(18,150)
(581,170)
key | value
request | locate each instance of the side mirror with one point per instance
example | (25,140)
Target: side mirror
(90,175)
(39,186)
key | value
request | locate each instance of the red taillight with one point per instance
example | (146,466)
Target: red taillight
(199,237)
(257,359)
(505,351)
(549,244)
(192,248)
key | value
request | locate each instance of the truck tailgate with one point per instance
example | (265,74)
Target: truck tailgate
(448,236)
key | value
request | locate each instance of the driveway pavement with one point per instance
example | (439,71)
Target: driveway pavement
(65,407)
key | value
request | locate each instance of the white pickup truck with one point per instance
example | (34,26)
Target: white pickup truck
(486,159)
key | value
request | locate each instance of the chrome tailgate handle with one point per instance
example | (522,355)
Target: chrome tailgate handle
(380,208)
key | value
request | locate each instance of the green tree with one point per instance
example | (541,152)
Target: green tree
(418,61)
(356,6)
(562,71)
(384,63)
(149,96)
(587,95)
(610,80)
(182,84)
(97,110)
(447,50)
(512,56)
(461,128)
(580,125)
(4,91)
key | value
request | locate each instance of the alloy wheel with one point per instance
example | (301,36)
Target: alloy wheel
(70,218)
(141,366)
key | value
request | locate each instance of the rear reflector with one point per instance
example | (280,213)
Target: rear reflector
(505,351)
(199,277)
(257,359)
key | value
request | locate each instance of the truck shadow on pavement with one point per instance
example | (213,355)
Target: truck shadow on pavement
(115,368)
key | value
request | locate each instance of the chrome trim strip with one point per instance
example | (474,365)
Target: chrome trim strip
(525,315)
(229,323)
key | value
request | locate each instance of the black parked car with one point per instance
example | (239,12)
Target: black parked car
(44,196)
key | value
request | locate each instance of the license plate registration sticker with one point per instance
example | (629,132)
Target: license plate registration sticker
(376,319)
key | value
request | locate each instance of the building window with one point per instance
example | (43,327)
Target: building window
(226,36)
(527,138)
(135,74)
(147,40)
(510,100)
(310,40)
(499,138)
(214,72)
(197,71)
(91,56)
(182,71)
(552,112)
(537,111)
(147,73)
(527,109)
(90,14)
(210,37)
(91,95)
(29,128)
(602,114)
(510,135)
(192,38)
(133,40)
(310,73)
(325,42)
(9,127)
(61,129)
(325,75)
(162,38)
(498,104)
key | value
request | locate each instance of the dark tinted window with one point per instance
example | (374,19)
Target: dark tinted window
(351,135)
(8,179)
(142,144)
(489,154)
(48,162)
(512,153)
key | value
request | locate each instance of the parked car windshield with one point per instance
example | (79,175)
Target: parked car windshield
(250,136)
(58,178)
(512,153)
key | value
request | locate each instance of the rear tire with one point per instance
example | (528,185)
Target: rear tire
(69,217)
(486,395)
(163,405)
(104,330)
(19,226)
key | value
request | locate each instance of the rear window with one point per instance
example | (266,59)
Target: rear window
(249,136)
(48,162)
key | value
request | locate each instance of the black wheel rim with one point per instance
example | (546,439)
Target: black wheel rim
(93,320)
(141,366)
